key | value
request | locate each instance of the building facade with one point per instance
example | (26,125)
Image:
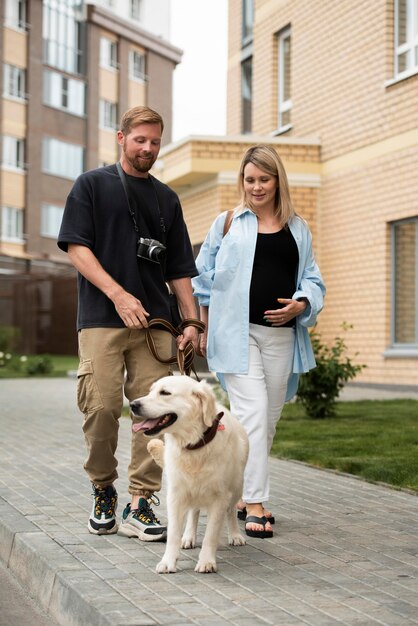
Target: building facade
(69,69)
(333,86)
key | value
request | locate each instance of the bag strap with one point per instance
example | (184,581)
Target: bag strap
(228,221)
(184,358)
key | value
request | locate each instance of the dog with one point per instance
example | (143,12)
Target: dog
(204,453)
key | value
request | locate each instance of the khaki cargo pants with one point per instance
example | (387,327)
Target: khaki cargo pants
(113,362)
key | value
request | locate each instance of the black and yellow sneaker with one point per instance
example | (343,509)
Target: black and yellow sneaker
(142,522)
(103,514)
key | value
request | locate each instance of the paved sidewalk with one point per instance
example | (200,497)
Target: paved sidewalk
(344,552)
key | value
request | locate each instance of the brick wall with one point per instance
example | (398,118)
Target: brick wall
(343,93)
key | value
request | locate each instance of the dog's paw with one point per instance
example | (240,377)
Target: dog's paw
(237,540)
(156,449)
(165,568)
(206,567)
(187,543)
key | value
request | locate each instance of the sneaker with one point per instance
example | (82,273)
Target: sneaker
(102,518)
(142,522)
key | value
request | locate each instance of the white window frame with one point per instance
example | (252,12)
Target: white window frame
(109,53)
(398,349)
(15,14)
(284,106)
(247,22)
(61,158)
(12,224)
(135,10)
(14,82)
(108,115)
(135,59)
(410,47)
(66,94)
(13,153)
(63,32)
(51,218)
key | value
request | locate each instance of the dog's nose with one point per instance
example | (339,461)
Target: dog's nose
(134,406)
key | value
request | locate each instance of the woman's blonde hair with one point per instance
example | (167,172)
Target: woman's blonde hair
(267,160)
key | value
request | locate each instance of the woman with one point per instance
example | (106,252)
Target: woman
(259,288)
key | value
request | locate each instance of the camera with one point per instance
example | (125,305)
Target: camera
(150,249)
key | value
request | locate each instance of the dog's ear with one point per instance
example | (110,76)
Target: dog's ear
(207,399)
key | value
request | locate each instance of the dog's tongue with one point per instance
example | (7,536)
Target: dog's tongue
(138,426)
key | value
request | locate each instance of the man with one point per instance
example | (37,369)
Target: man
(121,285)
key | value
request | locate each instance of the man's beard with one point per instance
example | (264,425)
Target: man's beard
(140,166)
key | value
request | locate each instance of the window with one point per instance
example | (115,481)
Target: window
(137,65)
(64,93)
(13,152)
(108,114)
(14,81)
(60,158)
(108,53)
(246,95)
(51,218)
(406,37)
(12,224)
(284,82)
(64,35)
(15,13)
(135,9)
(404,284)
(247,21)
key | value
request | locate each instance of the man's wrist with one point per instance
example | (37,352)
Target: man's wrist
(194,322)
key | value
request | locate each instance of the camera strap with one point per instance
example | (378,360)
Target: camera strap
(122,177)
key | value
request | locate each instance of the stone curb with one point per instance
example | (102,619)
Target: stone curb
(71,593)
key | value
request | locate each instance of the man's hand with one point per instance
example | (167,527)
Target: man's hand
(130,310)
(190,333)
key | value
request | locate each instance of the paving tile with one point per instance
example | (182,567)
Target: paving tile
(344,552)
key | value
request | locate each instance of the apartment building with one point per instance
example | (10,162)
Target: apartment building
(333,86)
(69,69)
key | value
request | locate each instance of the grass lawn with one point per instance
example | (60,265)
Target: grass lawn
(60,365)
(377,440)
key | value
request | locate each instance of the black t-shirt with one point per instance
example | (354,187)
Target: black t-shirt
(275,265)
(96,215)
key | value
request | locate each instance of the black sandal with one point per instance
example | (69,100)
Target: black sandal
(260,534)
(242,514)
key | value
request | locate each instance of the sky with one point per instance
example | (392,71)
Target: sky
(199,28)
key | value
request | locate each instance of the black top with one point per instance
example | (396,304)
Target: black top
(96,215)
(275,265)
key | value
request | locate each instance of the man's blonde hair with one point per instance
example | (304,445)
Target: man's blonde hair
(139,115)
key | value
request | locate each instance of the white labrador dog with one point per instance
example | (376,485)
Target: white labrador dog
(204,453)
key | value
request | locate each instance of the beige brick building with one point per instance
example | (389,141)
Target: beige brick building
(69,69)
(334,87)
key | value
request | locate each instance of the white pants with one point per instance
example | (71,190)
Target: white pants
(257,400)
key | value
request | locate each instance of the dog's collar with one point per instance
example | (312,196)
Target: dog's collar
(208,435)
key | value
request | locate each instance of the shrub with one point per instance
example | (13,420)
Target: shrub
(319,388)
(39,365)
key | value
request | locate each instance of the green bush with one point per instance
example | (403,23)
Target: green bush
(39,365)
(319,388)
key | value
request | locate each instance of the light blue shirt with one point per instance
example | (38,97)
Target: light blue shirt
(225,268)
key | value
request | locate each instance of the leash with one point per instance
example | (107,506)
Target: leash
(183,358)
